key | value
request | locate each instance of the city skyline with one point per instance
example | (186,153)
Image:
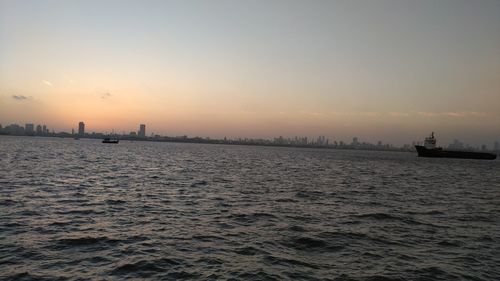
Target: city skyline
(449,140)
(378,70)
(296,140)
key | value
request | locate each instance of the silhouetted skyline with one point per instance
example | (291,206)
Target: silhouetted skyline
(295,141)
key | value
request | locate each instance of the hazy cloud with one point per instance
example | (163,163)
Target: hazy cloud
(20,97)
(105,95)
(427,114)
(399,114)
(355,113)
(47,83)
(314,113)
(452,114)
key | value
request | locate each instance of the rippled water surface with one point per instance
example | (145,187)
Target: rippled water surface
(80,209)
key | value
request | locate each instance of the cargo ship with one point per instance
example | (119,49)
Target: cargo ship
(429,149)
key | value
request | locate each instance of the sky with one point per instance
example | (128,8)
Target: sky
(390,70)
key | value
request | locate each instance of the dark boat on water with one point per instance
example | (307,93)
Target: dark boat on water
(429,149)
(108,140)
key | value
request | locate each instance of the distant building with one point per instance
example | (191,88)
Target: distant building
(457,145)
(81,128)
(45,130)
(142,131)
(29,129)
(497,145)
(39,129)
(321,140)
(14,129)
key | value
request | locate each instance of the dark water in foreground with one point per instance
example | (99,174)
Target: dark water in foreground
(86,210)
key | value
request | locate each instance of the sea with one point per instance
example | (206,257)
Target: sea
(84,210)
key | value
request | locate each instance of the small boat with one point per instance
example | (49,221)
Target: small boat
(429,149)
(109,140)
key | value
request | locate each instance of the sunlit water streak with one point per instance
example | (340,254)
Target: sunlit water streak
(72,209)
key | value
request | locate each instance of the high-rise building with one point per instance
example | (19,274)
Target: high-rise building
(44,129)
(355,141)
(142,131)
(29,129)
(38,129)
(81,128)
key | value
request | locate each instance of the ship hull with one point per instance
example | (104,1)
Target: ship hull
(440,153)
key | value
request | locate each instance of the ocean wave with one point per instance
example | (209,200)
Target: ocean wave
(26,276)
(252,218)
(305,243)
(273,260)
(250,251)
(86,241)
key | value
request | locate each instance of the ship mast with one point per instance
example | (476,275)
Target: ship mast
(430,142)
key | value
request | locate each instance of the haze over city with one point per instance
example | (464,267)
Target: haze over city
(378,70)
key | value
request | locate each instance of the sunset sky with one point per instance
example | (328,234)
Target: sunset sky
(379,70)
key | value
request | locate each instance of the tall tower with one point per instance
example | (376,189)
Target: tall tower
(142,131)
(29,129)
(81,129)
